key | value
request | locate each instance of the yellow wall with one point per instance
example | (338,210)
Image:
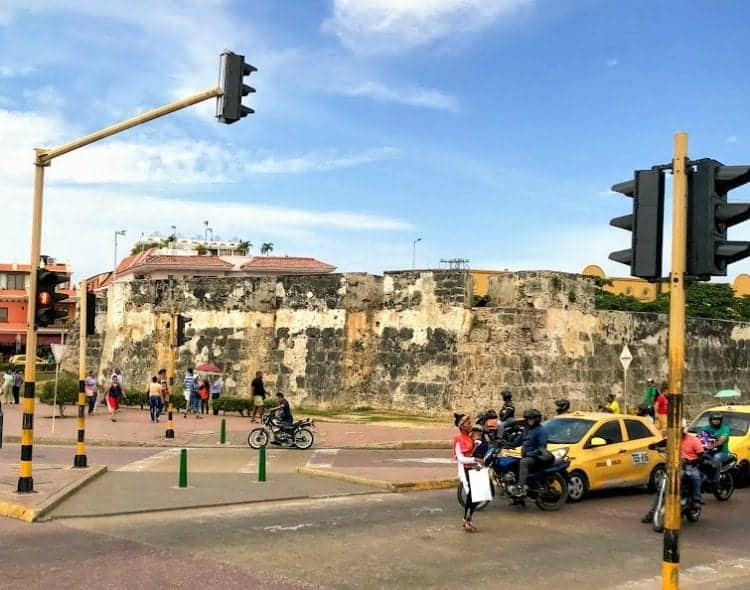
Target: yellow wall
(481,280)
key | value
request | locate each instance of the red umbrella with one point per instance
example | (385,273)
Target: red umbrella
(208,368)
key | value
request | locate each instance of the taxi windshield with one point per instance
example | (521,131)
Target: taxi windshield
(738,423)
(567,430)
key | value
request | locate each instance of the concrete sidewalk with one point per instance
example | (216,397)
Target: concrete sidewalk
(134,428)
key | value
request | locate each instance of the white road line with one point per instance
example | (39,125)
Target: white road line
(317,461)
(146,462)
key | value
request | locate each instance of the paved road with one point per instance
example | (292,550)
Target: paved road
(383,541)
(113,457)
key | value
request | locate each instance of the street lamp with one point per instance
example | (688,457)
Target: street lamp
(120,232)
(205,231)
(414,253)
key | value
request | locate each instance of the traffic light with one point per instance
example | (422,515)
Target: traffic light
(182,321)
(233,69)
(90,314)
(709,215)
(646,222)
(47,298)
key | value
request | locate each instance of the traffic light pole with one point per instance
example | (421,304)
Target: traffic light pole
(171,374)
(671,558)
(43,159)
(80,457)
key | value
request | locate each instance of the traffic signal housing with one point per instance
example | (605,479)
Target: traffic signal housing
(709,215)
(182,322)
(646,222)
(232,71)
(47,298)
(90,314)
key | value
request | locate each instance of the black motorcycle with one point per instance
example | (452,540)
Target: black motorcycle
(297,435)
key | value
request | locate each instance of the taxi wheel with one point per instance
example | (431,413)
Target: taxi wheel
(578,486)
(659,473)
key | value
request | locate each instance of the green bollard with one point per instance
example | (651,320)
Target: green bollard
(183,468)
(223,432)
(262,463)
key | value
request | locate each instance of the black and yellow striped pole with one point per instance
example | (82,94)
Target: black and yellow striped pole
(25,476)
(80,458)
(171,374)
(671,558)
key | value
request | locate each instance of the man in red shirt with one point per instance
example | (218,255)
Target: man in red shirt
(691,450)
(661,408)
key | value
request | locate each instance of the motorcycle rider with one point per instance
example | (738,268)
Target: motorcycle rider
(533,445)
(691,451)
(284,418)
(717,451)
(562,406)
(507,415)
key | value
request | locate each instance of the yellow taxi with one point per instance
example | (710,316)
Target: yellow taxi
(738,419)
(605,450)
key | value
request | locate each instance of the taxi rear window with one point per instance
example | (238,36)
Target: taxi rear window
(567,430)
(738,423)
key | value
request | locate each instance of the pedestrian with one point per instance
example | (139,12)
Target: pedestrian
(463,449)
(203,395)
(113,397)
(17,385)
(187,389)
(661,408)
(164,385)
(155,401)
(612,406)
(8,387)
(649,398)
(216,388)
(258,393)
(89,388)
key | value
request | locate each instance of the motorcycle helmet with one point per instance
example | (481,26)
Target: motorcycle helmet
(562,405)
(716,416)
(532,414)
(507,395)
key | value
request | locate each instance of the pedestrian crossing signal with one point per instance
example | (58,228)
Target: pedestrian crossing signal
(47,298)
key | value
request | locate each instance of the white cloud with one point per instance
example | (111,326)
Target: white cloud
(418,97)
(319,162)
(7,71)
(395,26)
(79,224)
(732,139)
(611,62)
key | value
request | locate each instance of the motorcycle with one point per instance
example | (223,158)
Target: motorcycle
(722,492)
(548,487)
(299,435)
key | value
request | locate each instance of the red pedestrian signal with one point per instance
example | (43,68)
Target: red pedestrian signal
(47,310)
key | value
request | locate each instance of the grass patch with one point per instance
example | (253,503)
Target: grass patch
(367,415)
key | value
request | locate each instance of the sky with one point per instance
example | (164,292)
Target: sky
(492,130)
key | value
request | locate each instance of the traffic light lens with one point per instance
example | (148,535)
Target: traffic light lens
(45,298)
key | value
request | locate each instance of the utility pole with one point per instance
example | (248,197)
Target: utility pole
(414,253)
(80,457)
(671,561)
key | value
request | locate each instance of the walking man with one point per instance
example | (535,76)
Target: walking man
(649,398)
(8,387)
(258,391)
(89,388)
(17,385)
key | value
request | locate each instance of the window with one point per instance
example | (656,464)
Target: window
(610,431)
(3,315)
(567,430)
(739,423)
(15,281)
(637,430)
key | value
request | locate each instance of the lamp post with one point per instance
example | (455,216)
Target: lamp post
(205,231)
(414,253)
(120,232)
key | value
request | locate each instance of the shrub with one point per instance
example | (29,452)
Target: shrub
(67,391)
(228,403)
(135,397)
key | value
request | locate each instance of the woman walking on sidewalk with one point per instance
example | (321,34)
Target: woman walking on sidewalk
(155,402)
(89,389)
(114,394)
(463,448)
(203,394)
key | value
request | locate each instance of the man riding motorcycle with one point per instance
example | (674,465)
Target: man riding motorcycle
(534,453)
(507,415)
(562,406)
(691,452)
(717,449)
(283,418)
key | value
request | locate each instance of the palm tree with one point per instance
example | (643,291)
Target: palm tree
(266,248)
(244,246)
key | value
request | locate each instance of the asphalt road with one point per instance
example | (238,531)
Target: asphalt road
(379,541)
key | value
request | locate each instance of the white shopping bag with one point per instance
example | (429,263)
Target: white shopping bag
(480,485)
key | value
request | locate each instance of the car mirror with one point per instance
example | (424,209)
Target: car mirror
(597,441)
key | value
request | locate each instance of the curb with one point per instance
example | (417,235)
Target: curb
(390,486)
(27,514)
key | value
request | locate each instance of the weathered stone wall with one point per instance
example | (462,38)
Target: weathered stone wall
(410,340)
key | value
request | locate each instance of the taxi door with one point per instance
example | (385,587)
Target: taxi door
(605,464)
(639,460)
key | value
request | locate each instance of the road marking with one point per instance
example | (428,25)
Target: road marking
(145,463)
(429,460)
(277,528)
(715,572)
(322,462)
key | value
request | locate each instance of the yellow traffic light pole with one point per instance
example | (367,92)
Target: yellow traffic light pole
(42,160)
(671,558)
(80,459)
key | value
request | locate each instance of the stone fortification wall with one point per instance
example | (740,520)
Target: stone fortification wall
(410,340)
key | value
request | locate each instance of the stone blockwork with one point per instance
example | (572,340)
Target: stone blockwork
(409,340)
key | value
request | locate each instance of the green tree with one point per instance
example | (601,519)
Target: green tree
(67,391)
(266,248)
(244,246)
(143,246)
(201,249)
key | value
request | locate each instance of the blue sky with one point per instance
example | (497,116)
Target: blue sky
(492,129)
